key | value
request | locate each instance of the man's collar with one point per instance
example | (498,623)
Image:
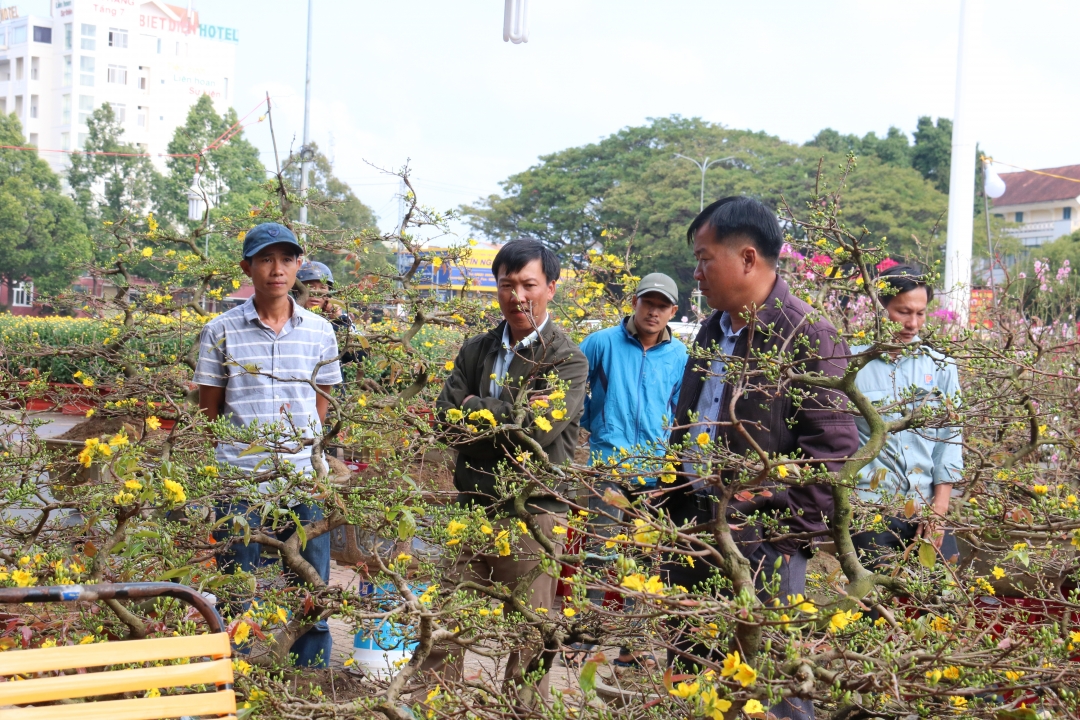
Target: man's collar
(252,315)
(724,322)
(528,339)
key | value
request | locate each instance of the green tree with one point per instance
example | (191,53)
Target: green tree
(108,187)
(41,234)
(933,151)
(893,149)
(632,184)
(335,210)
(230,172)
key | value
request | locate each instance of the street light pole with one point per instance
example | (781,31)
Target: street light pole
(703,165)
(305,153)
(958,241)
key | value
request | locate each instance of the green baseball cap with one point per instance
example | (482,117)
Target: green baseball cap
(658,283)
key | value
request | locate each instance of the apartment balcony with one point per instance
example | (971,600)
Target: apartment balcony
(1034,234)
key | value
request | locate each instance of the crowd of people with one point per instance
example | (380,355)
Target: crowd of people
(634,387)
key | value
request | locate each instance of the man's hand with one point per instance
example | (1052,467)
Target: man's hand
(211,400)
(930,529)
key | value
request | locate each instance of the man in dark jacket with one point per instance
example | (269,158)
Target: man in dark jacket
(737,244)
(490,374)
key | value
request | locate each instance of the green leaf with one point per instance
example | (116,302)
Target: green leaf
(300,531)
(927,555)
(406,527)
(587,678)
(252,449)
(174,573)
(1018,714)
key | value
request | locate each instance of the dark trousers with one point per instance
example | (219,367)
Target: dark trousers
(876,549)
(788,579)
(606,522)
(312,649)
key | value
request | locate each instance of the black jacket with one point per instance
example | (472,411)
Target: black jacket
(474,474)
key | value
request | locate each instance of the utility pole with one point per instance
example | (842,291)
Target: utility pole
(703,165)
(961,226)
(305,152)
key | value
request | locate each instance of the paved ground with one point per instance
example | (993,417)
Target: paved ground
(562,678)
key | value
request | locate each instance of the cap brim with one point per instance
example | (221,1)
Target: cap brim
(658,291)
(262,246)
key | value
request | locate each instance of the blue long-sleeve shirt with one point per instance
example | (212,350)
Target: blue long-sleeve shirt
(918,459)
(632,392)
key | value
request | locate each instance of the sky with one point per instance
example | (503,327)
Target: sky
(431,82)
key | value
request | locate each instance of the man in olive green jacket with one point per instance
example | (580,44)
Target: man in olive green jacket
(490,372)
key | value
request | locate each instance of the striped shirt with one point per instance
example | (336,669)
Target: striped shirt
(265,376)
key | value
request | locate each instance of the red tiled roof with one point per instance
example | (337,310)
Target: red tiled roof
(1026,187)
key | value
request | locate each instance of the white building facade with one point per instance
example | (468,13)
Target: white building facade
(1045,204)
(150,60)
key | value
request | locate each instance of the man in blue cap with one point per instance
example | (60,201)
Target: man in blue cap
(255,366)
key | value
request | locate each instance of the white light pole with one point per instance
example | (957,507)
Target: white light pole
(703,165)
(305,153)
(516,21)
(962,170)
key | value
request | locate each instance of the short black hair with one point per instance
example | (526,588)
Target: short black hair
(516,254)
(905,278)
(738,215)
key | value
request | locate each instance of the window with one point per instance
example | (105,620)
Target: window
(65,141)
(67,36)
(120,110)
(86,106)
(34,139)
(86,68)
(23,295)
(143,82)
(159,46)
(118,74)
(67,70)
(1066,213)
(82,140)
(65,110)
(33,106)
(18,35)
(89,33)
(226,88)
(140,119)
(3,37)
(1019,217)
(118,38)
(42,34)
(33,68)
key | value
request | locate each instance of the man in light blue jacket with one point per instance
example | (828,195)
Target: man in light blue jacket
(920,465)
(635,372)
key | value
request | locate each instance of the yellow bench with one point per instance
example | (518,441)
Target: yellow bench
(26,663)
